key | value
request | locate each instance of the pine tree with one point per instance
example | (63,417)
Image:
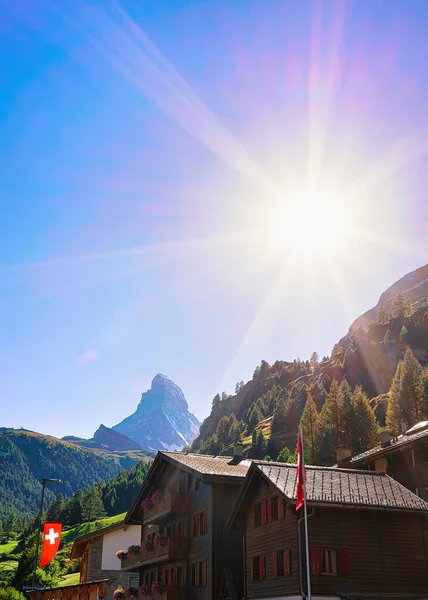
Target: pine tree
(406,397)
(332,414)
(383,315)
(216,400)
(279,421)
(92,505)
(309,422)
(393,410)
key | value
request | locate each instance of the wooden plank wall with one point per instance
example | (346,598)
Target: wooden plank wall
(386,550)
(267,539)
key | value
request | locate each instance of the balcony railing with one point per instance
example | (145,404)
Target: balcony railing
(172,502)
(173,549)
(173,592)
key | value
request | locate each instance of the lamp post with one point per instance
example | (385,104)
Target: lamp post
(39,525)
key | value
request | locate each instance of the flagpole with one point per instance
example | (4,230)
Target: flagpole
(305,512)
(39,526)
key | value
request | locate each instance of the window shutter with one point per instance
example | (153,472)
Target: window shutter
(197,524)
(316,560)
(168,577)
(275,564)
(252,568)
(344,562)
(287,562)
(254,515)
(269,510)
(204,572)
(264,512)
(281,508)
(262,567)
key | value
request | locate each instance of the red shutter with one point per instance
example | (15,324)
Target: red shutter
(264,512)
(269,510)
(254,515)
(287,562)
(275,564)
(204,572)
(344,562)
(197,525)
(281,507)
(252,568)
(262,567)
(316,561)
(168,577)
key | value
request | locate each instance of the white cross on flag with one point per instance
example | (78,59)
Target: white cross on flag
(51,540)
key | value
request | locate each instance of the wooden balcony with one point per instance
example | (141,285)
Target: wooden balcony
(173,592)
(174,549)
(173,502)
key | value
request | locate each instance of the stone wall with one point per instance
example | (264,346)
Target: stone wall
(95,572)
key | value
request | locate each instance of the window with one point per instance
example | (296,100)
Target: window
(174,576)
(328,561)
(281,563)
(324,561)
(199,525)
(176,530)
(199,574)
(151,537)
(257,514)
(182,485)
(420,455)
(258,568)
(149,578)
(198,485)
(274,502)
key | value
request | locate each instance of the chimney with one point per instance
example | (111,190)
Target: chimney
(385,439)
(238,454)
(404,426)
(343,456)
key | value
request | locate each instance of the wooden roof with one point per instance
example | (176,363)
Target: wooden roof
(401,443)
(331,486)
(206,467)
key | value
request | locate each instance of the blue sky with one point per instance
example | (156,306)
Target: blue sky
(151,152)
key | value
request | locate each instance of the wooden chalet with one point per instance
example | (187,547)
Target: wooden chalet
(97,553)
(94,590)
(405,458)
(366,535)
(183,507)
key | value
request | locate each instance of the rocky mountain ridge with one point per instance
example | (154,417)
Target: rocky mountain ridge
(367,355)
(162,420)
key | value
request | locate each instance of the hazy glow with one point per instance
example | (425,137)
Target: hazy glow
(311,223)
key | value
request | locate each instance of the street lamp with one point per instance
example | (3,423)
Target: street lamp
(44,482)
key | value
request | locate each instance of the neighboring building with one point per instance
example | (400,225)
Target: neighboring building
(97,551)
(405,458)
(187,500)
(366,535)
(95,590)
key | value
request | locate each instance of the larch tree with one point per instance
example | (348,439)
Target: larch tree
(310,426)
(366,433)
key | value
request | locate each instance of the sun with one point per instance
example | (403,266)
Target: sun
(311,222)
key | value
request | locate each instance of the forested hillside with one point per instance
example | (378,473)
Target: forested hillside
(341,400)
(80,514)
(26,457)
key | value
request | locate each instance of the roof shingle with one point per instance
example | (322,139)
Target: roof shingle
(401,441)
(210,465)
(348,487)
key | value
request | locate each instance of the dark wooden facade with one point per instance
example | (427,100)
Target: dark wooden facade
(406,460)
(193,509)
(369,552)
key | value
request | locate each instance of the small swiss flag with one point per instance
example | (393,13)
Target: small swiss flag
(51,540)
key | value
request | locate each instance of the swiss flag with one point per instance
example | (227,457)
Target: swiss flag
(301,473)
(51,539)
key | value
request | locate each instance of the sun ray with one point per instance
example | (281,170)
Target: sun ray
(130,51)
